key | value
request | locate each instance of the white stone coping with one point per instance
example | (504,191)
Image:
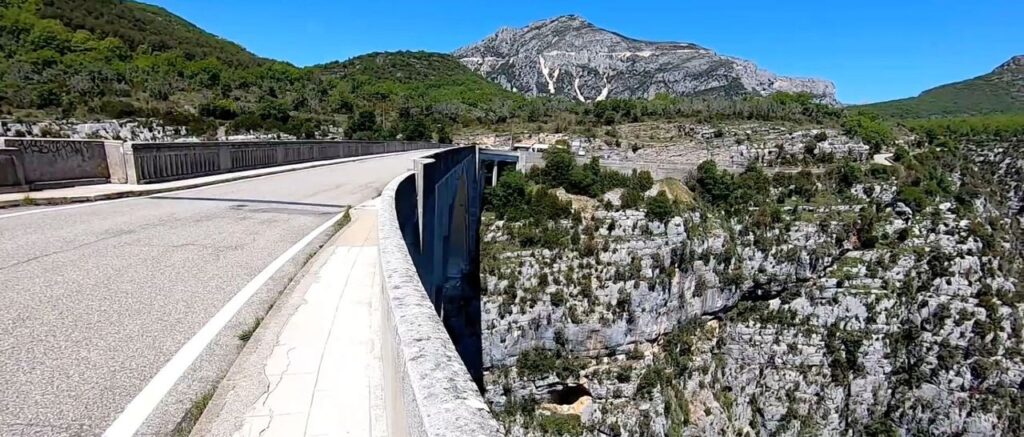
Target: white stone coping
(80,140)
(422,369)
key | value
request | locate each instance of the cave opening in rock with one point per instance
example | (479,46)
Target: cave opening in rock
(569,394)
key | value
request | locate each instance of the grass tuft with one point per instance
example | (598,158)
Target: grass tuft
(246,335)
(344,221)
(195,411)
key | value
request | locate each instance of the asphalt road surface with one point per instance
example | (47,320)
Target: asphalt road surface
(95,300)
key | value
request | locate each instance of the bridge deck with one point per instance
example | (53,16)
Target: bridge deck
(89,193)
(98,299)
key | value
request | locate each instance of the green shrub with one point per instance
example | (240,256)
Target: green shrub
(751,187)
(414,129)
(649,381)
(508,197)
(560,424)
(871,129)
(196,125)
(711,184)
(118,109)
(902,155)
(559,165)
(219,109)
(913,197)
(631,199)
(801,185)
(848,174)
(364,123)
(641,181)
(540,363)
(881,427)
(302,127)
(659,207)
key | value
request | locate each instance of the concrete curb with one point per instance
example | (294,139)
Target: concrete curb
(245,381)
(52,201)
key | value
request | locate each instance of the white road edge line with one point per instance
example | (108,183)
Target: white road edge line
(139,409)
(61,208)
(173,192)
(165,193)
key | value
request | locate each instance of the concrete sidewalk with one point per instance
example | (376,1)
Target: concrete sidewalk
(90,193)
(313,366)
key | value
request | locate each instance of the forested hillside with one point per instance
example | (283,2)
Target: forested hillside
(119,59)
(149,27)
(998,92)
(52,70)
(416,77)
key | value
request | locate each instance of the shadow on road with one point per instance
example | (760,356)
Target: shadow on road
(273,202)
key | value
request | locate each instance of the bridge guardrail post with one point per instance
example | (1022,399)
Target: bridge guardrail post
(282,153)
(131,164)
(225,157)
(116,161)
(10,158)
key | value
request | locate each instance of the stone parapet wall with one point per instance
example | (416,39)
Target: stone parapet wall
(428,390)
(41,163)
(51,162)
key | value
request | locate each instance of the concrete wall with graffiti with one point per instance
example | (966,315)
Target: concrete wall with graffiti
(48,160)
(38,163)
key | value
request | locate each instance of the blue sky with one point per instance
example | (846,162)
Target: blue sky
(873,50)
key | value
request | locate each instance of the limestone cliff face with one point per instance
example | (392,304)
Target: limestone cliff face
(568,56)
(138,130)
(118,130)
(803,324)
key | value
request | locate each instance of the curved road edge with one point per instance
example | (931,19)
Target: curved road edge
(83,195)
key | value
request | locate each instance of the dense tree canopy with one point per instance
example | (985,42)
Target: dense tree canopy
(146,27)
(870,128)
(991,126)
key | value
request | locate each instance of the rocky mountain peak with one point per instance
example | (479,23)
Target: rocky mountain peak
(564,20)
(1015,63)
(569,56)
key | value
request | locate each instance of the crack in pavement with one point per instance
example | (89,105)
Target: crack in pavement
(272,387)
(196,245)
(74,248)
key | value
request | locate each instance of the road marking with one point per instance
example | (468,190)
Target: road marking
(139,409)
(61,208)
(165,193)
